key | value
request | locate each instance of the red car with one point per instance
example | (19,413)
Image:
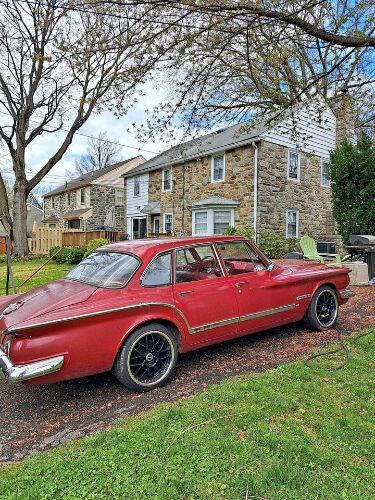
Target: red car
(133,307)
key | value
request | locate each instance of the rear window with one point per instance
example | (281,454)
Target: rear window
(105,269)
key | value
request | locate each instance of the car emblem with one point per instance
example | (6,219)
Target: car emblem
(12,307)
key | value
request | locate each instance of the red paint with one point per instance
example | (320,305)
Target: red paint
(43,327)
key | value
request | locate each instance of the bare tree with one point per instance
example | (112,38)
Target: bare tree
(101,152)
(59,61)
(234,59)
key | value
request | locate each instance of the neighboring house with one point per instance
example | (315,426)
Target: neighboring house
(93,201)
(269,178)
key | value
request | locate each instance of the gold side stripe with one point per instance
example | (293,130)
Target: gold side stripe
(240,319)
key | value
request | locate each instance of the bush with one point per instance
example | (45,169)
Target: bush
(53,251)
(94,244)
(291,245)
(74,255)
(246,231)
(272,245)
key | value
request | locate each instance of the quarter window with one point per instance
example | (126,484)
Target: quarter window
(167,179)
(326,166)
(292,222)
(168,223)
(137,186)
(218,168)
(159,272)
(196,264)
(293,165)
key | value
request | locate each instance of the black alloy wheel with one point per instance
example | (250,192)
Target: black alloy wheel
(323,310)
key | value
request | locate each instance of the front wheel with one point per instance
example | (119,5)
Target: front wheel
(323,309)
(147,359)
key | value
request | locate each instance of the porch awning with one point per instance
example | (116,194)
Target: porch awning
(152,208)
(81,213)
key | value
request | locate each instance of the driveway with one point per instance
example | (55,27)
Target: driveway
(34,419)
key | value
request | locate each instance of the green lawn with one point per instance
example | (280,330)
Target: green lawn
(290,433)
(23,269)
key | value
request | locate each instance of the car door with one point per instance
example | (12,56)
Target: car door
(262,302)
(204,294)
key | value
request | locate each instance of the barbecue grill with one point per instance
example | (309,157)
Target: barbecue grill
(362,248)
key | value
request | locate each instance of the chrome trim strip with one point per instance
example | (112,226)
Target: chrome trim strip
(305,296)
(347,293)
(19,327)
(246,317)
(19,373)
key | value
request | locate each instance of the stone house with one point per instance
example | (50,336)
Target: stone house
(93,201)
(267,177)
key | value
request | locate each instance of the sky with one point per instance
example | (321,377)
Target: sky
(42,148)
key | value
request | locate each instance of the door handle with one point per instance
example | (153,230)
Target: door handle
(240,284)
(186,292)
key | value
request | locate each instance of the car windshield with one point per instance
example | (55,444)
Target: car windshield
(105,269)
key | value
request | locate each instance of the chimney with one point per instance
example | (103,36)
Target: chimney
(343,107)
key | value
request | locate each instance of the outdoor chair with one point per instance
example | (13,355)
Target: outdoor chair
(308,247)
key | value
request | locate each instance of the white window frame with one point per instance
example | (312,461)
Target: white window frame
(324,160)
(163,180)
(118,190)
(164,217)
(297,223)
(194,233)
(139,186)
(293,151)
(210,218)
(215,181)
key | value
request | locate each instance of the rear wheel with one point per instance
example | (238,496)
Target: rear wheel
(323,309)
(147,359)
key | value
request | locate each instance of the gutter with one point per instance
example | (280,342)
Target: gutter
(255,194)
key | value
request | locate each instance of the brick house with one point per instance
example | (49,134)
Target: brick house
(92,201)
(270,178)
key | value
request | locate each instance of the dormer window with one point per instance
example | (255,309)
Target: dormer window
(218,168)
(167,179)
(293,165)
(137,186)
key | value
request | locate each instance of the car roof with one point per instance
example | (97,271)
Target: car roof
(143,247)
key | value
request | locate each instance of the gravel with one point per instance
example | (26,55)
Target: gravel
(37,418)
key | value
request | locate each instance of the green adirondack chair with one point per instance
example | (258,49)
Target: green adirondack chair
(308,247)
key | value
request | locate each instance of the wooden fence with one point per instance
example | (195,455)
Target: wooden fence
(81,238)
(45,238)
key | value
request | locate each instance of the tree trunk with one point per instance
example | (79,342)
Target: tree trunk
(20,245)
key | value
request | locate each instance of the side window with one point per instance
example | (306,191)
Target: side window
(293,165)
(196,264)
(239,257)
(159,271)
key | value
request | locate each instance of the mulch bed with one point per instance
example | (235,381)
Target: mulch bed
(34,419)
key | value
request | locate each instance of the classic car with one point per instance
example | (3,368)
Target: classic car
(132,307)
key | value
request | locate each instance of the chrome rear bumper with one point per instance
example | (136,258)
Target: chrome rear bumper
(347,293)
(14,373)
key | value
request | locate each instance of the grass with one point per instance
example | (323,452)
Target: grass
(291,433)
(23,268)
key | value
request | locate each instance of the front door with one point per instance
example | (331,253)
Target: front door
(262,302)
(204,294)
(156,230)
(139,228)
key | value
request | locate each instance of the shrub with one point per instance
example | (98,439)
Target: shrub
(74,255)
(272,245)
(291,245)
(53,251)
(246,231)
(94,244)
(230,231)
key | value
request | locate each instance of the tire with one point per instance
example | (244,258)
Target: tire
(323,310)
(147,359)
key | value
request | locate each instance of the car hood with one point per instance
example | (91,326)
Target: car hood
(56,295)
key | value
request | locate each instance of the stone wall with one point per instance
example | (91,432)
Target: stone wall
(343,107)
(192,182)
(277,194)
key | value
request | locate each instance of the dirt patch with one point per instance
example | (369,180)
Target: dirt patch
(34,419)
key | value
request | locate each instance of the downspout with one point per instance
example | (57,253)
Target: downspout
(255,195)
